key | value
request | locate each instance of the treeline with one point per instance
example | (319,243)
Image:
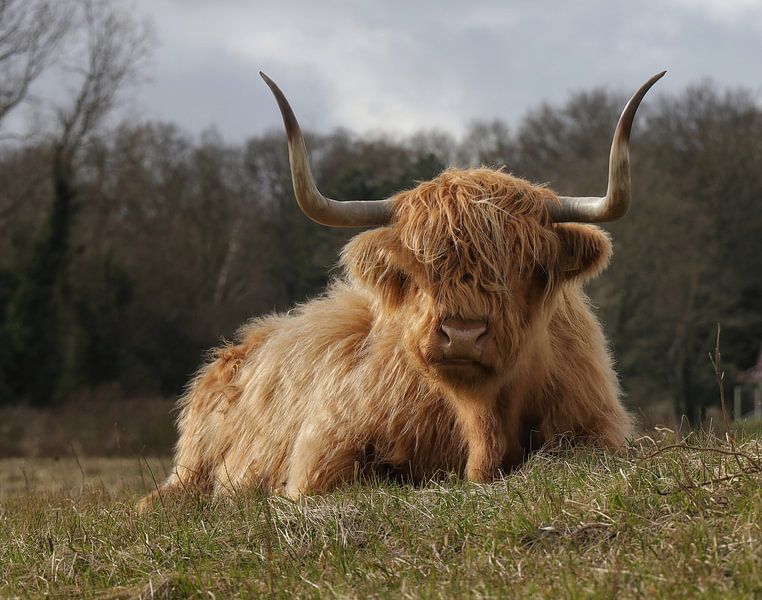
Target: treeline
(174,241)
(125,252)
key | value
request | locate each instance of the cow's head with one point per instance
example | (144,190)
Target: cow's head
(468,266)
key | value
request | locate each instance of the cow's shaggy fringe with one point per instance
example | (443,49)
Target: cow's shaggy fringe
(346,384)
(438,223)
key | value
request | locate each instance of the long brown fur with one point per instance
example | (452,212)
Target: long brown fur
(346,383)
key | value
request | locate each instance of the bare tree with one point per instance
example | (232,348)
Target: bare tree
(109,48)
(31,31)
(113,47)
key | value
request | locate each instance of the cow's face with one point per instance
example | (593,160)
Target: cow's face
(469,271)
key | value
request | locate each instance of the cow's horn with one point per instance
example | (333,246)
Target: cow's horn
(357,213)
(615,203)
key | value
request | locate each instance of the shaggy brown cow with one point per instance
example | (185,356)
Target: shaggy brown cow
(459,323)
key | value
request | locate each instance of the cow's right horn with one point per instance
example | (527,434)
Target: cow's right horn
(356,213)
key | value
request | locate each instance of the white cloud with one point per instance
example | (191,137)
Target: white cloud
(724,10)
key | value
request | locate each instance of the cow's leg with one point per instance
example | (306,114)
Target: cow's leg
(515,451)
(519,430)
(168,490)
(593,415)
(190,475)
(485,439)
(320,460)
(181,483)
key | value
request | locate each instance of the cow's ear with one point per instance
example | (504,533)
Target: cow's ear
(375,258)
(585,251)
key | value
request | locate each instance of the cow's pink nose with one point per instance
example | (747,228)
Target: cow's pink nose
(461,339)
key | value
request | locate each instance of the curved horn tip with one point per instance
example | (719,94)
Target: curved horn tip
(649,84)
(624,126)
(654,79)
(293,131)
(265,77)
(270,83)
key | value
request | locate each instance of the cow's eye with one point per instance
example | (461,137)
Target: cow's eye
(467,278)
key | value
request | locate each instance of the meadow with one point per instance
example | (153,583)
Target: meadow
(675,517)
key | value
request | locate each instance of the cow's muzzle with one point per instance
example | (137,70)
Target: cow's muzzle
(462,341)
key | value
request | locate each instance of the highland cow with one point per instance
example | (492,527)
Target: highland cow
(458,324)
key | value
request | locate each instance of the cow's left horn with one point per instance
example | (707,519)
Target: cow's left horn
(357,213)
(615,203)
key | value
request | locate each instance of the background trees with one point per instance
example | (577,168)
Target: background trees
(108,45)
(126,251)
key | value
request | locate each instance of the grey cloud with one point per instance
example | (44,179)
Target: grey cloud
(401,66)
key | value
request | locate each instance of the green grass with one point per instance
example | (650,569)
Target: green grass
(665,521)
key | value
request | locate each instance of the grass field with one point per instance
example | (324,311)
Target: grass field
(674,518)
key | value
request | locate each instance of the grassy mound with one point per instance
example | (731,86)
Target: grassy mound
(673,518)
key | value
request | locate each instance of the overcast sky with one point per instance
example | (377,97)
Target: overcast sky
(405,65)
